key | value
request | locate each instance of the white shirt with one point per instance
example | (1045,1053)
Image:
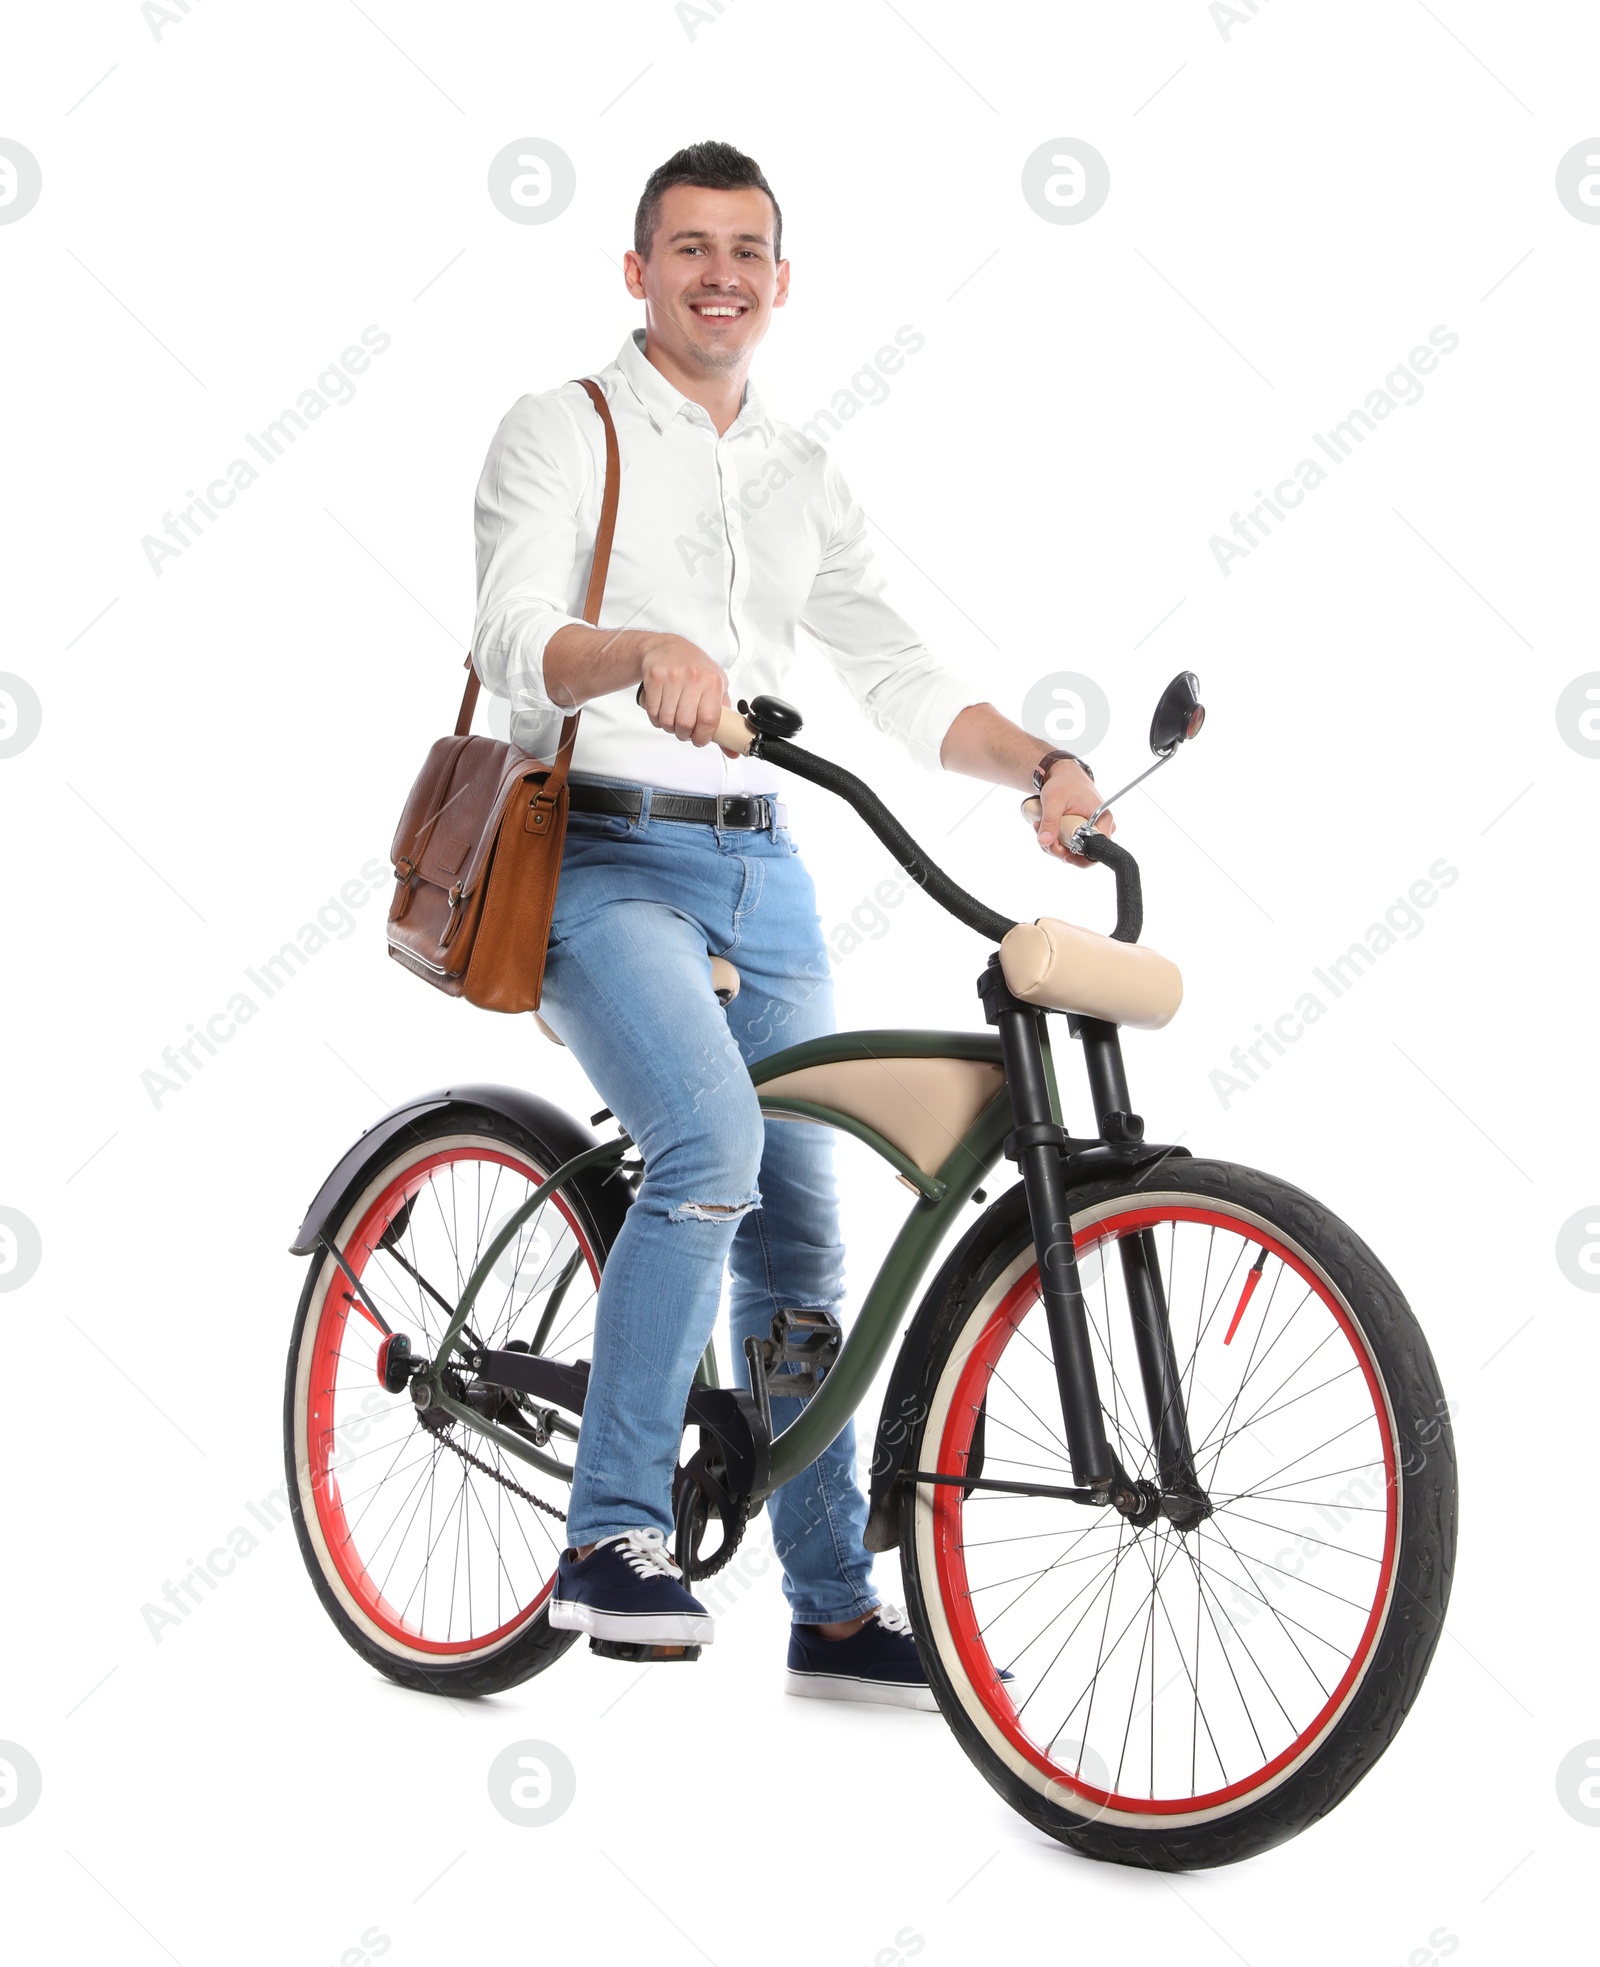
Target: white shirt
(730,541)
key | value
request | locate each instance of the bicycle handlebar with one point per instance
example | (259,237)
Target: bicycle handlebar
(735,733)
(948,894)
(1076,834)
(1130,895)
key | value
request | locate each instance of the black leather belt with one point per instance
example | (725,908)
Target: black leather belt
(723,809)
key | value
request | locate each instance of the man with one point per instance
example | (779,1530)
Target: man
(732,531)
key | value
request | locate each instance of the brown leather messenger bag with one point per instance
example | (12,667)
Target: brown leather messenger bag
(477,853)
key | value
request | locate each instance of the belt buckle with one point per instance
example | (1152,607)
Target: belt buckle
(727,802)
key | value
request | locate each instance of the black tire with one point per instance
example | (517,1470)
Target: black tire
(1416,1498)
(589,1227)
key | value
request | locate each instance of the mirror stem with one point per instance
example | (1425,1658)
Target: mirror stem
(1106,804)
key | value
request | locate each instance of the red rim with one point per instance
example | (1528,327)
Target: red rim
(322,1418)
(947,1508)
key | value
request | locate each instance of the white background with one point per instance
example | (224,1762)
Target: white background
(225,745)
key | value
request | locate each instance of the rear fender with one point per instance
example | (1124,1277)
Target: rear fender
(606,1199)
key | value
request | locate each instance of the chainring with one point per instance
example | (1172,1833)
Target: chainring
(699,1491)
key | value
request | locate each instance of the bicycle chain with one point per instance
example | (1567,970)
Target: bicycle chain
(495,1475)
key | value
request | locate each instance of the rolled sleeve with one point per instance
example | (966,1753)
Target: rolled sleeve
(525,522)
(901,686)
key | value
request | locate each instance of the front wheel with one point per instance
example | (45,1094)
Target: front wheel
(1182,1698)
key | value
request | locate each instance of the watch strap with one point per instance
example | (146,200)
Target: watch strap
(1041,771)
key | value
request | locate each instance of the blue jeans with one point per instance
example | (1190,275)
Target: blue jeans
(627,988)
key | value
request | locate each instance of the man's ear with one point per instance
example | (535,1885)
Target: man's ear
(781,292)
(633,273)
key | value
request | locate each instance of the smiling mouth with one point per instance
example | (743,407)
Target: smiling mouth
(719,310)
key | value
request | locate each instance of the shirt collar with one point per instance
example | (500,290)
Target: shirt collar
(662,402)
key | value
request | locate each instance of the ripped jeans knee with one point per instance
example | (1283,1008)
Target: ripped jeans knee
(695,1211)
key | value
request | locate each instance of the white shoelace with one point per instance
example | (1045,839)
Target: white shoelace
(892,1619)
(646,1552)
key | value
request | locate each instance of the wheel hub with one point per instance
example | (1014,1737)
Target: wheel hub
(1144,1502)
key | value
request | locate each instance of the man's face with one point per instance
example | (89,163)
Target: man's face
(710,283)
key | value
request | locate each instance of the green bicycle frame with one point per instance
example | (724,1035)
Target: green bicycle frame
(940,1201)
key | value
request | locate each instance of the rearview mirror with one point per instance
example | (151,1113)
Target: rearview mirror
(1179,714)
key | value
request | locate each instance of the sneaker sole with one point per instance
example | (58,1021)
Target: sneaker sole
(633,1628)
(851,1687)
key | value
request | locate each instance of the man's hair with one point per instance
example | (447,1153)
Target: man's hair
(715,167)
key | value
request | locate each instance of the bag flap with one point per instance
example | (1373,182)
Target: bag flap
(449,820)
(521,777)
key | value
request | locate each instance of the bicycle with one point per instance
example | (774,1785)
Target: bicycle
(1163,1448)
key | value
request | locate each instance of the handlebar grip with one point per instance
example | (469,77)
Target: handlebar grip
(1099,847)
(732,731)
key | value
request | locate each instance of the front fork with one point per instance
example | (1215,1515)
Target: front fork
(1035,1144)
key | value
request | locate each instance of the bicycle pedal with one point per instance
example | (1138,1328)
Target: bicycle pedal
(636,1653)
(805,1340)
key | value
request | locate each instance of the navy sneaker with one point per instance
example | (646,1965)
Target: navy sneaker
(876,1663)
(628,1590)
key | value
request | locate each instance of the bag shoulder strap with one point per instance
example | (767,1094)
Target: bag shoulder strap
(597,581)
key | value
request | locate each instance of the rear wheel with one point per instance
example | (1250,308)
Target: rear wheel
(1184,1698)
(432,1550)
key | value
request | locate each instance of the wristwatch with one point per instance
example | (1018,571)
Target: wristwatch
(1041,771)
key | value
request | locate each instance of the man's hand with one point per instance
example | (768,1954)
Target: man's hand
(684,691)
(1068,789)
(985,745)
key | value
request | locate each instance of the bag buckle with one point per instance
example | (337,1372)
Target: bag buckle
(454,897)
